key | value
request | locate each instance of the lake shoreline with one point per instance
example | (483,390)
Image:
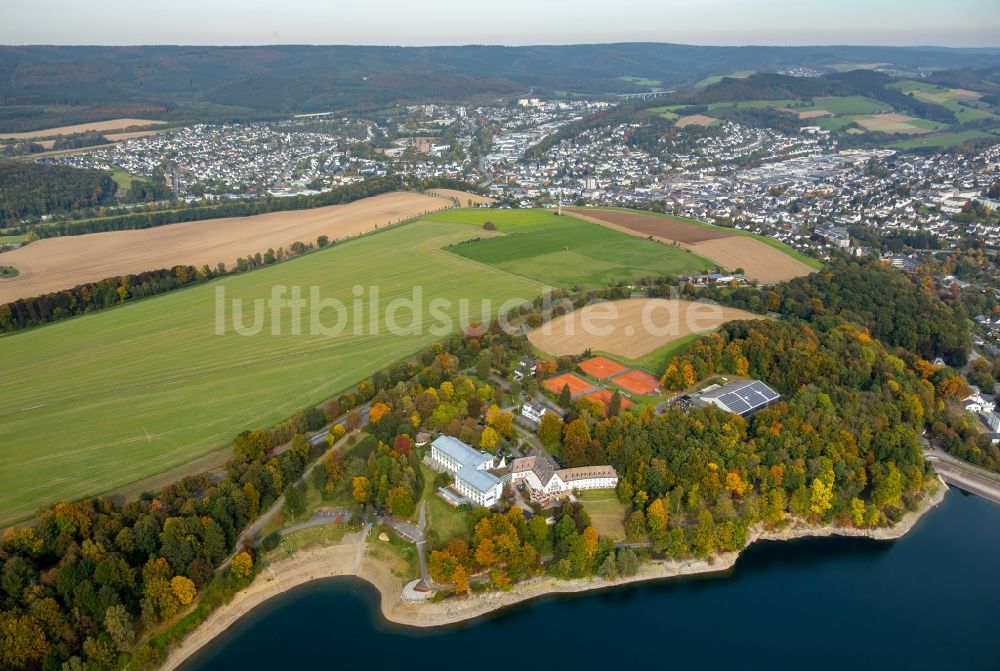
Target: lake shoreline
(348,559)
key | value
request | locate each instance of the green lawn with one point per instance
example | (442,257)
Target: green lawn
(122,179)
(102,400)
(444,519)
(568,252)
(4,239)
(607,513)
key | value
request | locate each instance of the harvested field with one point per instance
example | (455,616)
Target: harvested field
(97,127)
(638,382)
(61,263)
(603,396)
(663,228)
(758,260)
(577,385)
(601,367)
(694,120)
(630,328)
(463,197)
(808,114)
(891,123)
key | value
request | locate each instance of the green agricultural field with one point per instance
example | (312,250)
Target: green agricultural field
(7,239)
(777,244)
(642,81)
(568,252)
(944,140)
(95,402)
(715,79)
(843,105)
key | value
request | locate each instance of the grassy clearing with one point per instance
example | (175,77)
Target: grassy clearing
(715,79)
(398,553)
(106,399)
(7,239)
(122,179)
(656,361)
(607,513)
(444,520)
(568,252)
(305,539)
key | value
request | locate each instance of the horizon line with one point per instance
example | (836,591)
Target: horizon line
(749,45)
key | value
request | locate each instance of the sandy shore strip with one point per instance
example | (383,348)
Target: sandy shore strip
(348,558)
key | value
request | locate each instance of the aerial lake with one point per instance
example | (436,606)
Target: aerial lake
(927,601)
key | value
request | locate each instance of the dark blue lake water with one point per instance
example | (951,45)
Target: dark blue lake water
(930,600)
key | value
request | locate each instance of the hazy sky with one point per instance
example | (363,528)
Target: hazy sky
(410,22)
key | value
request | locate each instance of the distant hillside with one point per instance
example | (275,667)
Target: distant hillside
(231,82)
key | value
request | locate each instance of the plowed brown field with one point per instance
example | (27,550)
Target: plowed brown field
(758,260)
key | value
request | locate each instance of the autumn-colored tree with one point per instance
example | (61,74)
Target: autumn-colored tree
(183,589)
(242,565)
(461,580)
(378,412)
(550,430)
(735,484)
(401,501)
(489,439)
(360,487)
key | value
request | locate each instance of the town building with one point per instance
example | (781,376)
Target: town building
(545,481)
(470,468)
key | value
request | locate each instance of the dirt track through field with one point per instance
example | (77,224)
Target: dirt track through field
(758,260)
(62,263)
(630,328)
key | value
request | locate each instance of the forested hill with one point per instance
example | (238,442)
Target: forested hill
(895,309)
(29,190)
(283,79)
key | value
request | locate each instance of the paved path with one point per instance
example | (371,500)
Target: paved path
(969,477)
(361,548)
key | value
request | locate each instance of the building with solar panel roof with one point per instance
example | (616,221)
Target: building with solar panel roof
(741,397)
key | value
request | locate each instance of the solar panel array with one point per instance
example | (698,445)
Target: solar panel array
(747,398)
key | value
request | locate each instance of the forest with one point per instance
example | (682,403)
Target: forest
(30,190)
(891,305)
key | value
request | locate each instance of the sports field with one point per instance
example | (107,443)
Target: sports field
(603,396)
(565,251)
(601,367)
(62,263)
(637,382)
(576,384)
(102,400)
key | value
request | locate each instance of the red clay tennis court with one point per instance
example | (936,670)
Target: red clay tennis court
(638,382)
(576,384)
(604,396)
(602,367)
